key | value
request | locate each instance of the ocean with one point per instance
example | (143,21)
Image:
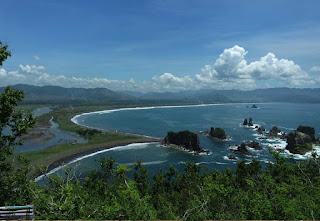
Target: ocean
(157,121)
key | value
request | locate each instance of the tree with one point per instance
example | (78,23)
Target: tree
(13,124)
(4,53)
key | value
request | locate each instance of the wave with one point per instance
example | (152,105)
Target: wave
(118,148)
(75,118)
(147,163)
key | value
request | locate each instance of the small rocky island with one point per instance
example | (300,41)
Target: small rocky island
(185,139)
(246,123)
(254,106)
(216,133)
(275,132)
(242,150)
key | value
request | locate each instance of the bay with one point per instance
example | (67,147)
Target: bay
(157,121)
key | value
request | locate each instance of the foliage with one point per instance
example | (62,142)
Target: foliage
(88,132)
(185,138)
(282,190)
(218,133)
(14,186)
(4,53)
(13,124)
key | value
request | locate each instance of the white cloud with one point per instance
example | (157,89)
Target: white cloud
(229,71)
(37,58)
(33,69)
(315,69)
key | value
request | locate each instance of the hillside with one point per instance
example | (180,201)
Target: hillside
(59,95)
(294,95)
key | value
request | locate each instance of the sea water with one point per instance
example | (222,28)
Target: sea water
(157,121)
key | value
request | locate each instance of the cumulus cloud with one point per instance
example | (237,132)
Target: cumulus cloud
(315,69)
(37,58)
(229,71)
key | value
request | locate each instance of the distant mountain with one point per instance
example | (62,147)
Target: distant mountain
(59,95)
(294,95)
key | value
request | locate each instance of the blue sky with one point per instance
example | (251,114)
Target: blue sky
(161,45)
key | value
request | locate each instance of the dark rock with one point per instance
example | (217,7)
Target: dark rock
(298,142)
(231,157)
(250,122)
(185,139)
(274,132)
(255,145)
(261,130)
(256,127)
(307,130)
(218,133)
(242,150)
(254,106)
(245,122)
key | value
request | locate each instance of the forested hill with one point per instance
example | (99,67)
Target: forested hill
(58,95)
(294,95)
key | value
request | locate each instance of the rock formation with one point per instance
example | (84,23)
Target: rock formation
(298,142)
(185,139)
(307,130)
(245,122)
(254,106)
(275,132)
(231,157)
(261,130)
(250,122)
(242,150)
(253,144)
(218,133)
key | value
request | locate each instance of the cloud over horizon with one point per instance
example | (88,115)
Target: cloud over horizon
(230,71)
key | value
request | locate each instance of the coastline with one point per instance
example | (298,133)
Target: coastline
(72,151)
(64,157)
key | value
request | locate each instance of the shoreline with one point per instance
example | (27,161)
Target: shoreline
(65,157)
(74,118)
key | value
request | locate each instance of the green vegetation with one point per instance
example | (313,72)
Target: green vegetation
(303,148)
(13,124)
(218,133)
(185,138)
(282,191)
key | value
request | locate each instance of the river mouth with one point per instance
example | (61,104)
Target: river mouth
(44,136)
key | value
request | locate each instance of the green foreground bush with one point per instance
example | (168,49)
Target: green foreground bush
(282,191)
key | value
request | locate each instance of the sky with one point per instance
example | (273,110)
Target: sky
(163,45)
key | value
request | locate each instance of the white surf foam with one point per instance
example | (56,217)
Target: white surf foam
(125,147)
(147,163)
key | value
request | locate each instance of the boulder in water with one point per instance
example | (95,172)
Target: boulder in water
(231,157)
(242,150)
(245,122)
(261,130)
(275,132)
(255,145)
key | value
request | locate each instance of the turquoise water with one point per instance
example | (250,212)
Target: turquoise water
(156,122)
